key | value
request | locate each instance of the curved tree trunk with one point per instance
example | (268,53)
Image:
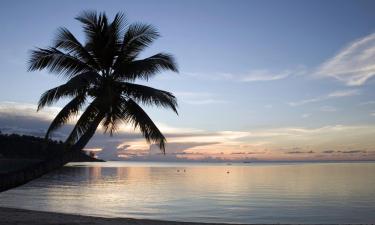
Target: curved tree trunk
(20,177)
(85,138)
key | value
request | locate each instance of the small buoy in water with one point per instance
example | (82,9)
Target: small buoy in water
(227,171)
(178,170)
(184,171)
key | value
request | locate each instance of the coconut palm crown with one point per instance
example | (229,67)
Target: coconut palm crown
(101,74)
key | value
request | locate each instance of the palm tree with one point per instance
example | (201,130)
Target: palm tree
(102,70)
(101,75)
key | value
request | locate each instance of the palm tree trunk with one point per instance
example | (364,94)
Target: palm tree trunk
(85,138)
(20,177)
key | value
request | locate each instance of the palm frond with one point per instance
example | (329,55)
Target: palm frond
(145,68)
(69,110)
(66,40)
(75,86)
(137,37)
(103,40)
(89,20)
(114,114)
(112,41)
(55,94)
(135,115)
(57,62)
(117,27)
(149,96)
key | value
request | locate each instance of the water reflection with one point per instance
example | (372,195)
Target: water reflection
(257,193)
(95,173)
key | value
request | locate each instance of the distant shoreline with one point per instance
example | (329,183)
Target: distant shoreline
(12,216)
(238,162)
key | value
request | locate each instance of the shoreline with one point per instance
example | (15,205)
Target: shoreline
(13,216)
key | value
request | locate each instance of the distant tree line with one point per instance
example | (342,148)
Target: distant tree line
(30,147)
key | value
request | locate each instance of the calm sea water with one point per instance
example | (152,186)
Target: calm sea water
(237,193)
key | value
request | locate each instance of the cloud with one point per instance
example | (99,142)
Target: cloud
(328,152)
(332,95)
(268,106)
(352,151)
(344,152)
(22,118)
(167,129)
(354,65)
(263,144)
(343,93)
(186,144)
(265,75)
(199,98)
(140,151)
(306,115)
(246,153)
(257,75)
(27,110)
(367,103)
(328,109)
(204,101)
(300,152)
(213,76)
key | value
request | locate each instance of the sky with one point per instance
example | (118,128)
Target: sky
(258,80)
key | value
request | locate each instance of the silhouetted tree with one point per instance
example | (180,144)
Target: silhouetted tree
(101,74)
(15,146)
(103,70)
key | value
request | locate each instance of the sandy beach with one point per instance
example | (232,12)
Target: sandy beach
(10,216)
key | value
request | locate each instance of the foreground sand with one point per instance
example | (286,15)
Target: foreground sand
(10,216)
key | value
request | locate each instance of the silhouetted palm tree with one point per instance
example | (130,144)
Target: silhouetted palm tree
(102,70)
(100,77)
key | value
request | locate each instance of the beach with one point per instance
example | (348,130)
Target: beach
(10,216)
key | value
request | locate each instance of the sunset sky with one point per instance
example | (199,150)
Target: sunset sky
(259,80)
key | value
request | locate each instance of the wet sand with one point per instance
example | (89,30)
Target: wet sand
(9,216)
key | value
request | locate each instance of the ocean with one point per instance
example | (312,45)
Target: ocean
(206,192)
